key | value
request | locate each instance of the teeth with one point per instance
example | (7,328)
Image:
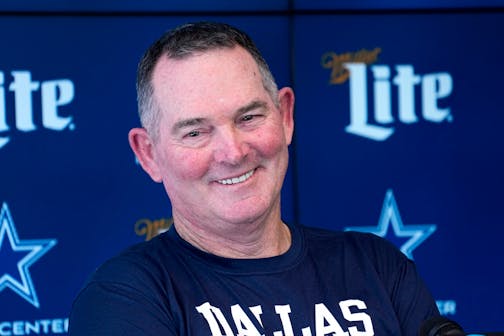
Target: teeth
(238,179)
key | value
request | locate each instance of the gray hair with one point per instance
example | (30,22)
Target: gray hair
(183,42)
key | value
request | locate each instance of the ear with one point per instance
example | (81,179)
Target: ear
(286,107)
(143,147)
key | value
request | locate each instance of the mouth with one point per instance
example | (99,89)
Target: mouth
(238,179)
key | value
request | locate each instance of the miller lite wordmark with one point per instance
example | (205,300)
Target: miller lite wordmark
(53,94)
(433,87)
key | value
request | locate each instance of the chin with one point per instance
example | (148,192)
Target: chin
(241,218)
(239,215)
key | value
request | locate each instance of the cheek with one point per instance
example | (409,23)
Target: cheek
(272,142)
(186,165)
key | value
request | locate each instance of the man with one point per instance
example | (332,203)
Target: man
(215,133)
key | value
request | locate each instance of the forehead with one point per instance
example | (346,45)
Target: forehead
(210,80)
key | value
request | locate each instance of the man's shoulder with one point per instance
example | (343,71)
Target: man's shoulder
(137,263)
(312,232)
(128,289)
(366,243)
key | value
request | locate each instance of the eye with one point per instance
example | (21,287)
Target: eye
(193,134)
(252,117)
(247,117)
(251,120)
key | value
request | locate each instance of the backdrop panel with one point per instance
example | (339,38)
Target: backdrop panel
(394,4)
(399,133)
(72,194)
(155,6)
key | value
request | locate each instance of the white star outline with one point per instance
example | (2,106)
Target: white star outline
(37,249)
(390,216)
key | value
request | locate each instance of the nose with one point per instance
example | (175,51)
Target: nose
(230,147)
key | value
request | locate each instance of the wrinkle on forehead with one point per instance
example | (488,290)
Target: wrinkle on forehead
(216,77)
(209,63)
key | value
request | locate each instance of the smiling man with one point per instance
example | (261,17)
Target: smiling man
(221,151)
(215,131)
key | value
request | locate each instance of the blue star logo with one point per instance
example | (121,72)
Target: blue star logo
(17,256)
(390,218)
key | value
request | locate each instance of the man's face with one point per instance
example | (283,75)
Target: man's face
(222,148)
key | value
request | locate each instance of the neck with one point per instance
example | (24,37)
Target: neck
(249,240)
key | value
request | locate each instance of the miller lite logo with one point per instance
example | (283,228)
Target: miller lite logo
(374,120)
(17,104)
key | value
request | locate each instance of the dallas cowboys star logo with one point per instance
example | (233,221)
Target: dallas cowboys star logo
(17,256)
(390,217)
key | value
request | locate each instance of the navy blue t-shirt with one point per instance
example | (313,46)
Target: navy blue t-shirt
(327,283)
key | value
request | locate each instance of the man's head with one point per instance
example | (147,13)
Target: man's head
(222,133)
(183,42)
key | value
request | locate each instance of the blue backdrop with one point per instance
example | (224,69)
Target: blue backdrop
(398,132)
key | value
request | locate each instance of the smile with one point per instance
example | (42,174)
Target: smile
(238,179)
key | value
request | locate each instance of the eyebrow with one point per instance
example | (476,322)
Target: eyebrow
(186,123)
(255,104)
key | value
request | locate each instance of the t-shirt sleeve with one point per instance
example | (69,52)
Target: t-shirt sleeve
(117,309)
(408,293)
(411,298)
(127,295)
